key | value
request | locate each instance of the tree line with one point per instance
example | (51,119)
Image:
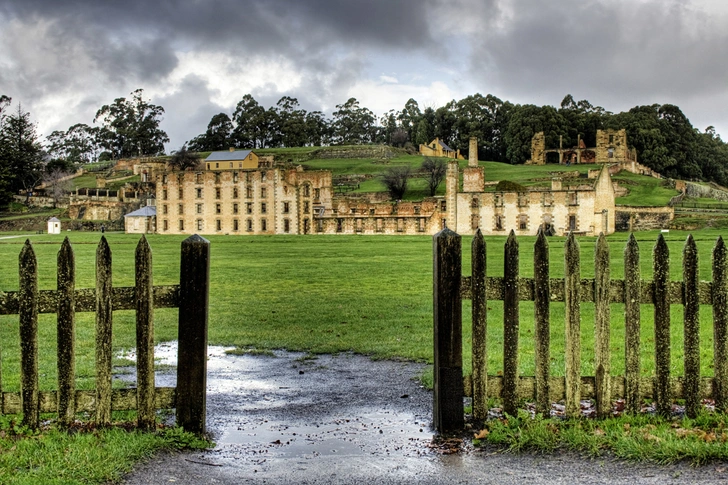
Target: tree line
(664,138)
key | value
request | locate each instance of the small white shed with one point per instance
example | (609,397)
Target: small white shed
(54,225)
(142,221)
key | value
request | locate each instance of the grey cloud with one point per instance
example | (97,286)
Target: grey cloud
(643,50)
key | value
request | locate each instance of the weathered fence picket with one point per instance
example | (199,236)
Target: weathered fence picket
(719,296)
(572,316)
(572,290)
(691,319)
(28,313)
(602,315)
(510,326)
(632,285)
(104,321)
(447,314)
(192,370)
(66,328)
(479,318)
(661,281)
(541,312)
(190,296)
(144,334)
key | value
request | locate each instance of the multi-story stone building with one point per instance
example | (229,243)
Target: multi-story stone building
(262,200)
(247,201)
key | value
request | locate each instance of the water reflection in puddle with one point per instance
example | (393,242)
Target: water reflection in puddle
(377,432)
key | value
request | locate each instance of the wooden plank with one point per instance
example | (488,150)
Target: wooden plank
(447,325)
(720,324)
(691,319)
(572,317)
(601,328)
(144,335)
(633,400)
(122,298)
(479,323)
(28,314)
(104,317)
(661,272)
(66,333)
(509,395)
(192,334)
(557,387)
(541,309)
(121,400)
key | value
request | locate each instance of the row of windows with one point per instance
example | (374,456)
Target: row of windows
(248,208)
(248,193)
(523,201)
(200,225)
(200,177)
(521,221)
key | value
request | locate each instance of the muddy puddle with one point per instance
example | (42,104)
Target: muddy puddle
(294,418)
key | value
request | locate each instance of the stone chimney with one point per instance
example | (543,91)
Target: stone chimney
(473,152)
(232,149)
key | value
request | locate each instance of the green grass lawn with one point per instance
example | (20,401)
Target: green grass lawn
(643,191)
(366,294)
(321,294)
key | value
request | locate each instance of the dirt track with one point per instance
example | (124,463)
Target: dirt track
(347,419)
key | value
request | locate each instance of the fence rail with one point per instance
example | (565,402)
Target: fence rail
(572,290)
(188,397)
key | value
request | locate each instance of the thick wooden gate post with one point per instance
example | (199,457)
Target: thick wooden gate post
(448,353)
(194,286)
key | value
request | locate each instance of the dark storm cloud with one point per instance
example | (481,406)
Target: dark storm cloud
(643,50)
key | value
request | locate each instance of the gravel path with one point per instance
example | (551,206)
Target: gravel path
(346,419)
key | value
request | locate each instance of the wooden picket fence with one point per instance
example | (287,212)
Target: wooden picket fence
(450,288)
(190,296)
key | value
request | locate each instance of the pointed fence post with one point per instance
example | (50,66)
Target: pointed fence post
(448,352)
(479,334)
(632,290)
(66,334)
(194,289)
(691,318)
(104,316)
(28,314)
(572,314)
(541,310)
(720,325)
(144,296)
(602,284)
(661,281)
(510,326)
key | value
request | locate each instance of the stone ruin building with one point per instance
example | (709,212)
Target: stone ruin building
(611,148)
(229,198)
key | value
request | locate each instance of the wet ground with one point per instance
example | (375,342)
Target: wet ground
(290,418)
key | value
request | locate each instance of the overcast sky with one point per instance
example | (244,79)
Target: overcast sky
(63,59)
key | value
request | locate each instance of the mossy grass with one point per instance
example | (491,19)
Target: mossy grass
(82,454)
(635,438)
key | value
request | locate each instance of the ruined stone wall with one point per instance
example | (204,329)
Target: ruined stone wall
(100,210)
(538,149)
(612,147)
(377,151)
(643,218)
(473,179)
(705,191)
(497,213)
(403,218)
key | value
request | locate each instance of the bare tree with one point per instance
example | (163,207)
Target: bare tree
(57,184)
(434,170)
(395,179)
